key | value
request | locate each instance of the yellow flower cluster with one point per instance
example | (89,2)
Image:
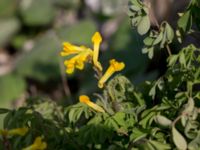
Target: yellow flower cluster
(38,144)
(82,54)
(17,131)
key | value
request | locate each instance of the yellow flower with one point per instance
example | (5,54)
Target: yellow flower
(69,49)
(82,54)
(78,61)
(85,99)
(38,144)
(97,39)
(114,66)
(17,131)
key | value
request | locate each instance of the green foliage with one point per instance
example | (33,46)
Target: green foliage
(159,39)
(189,17)
(138,13)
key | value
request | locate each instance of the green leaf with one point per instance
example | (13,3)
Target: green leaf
(146,146)
(164,39)
(37,12)
(182,59)
(12,86)
(152,92)
(184,120)
(120,89)
(159,145)
(95,120)
(144,25)
(149,50)
(4,110)
(136,20)
(172,60)
(7,8)
(134,8)
(178,139)
(145,50)
(185,21)
(77,34)
(9,27)
(138,134)
(74,112)
(158,39)
(189,107)
(136,3)
(169,33)
(146,121)
(42,62)
(148,41)
(119,117)
(190,129)
(179,36)
(163,121)
(111,123)
(195,143)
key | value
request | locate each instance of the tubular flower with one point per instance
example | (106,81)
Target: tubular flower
(69,49)
(85,99)
(38,144)
(82,54)
(97,39)
(17,131)
(78,61)
(114,66)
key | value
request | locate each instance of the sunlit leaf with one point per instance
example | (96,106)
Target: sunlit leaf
(144,25)
(163,121)
(178,139)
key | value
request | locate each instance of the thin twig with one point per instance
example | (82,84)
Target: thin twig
(64,80)
(168,50)
(178,118)
(6,143)
(158,26)
(98,74)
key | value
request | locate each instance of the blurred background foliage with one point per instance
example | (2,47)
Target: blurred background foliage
(31,36)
